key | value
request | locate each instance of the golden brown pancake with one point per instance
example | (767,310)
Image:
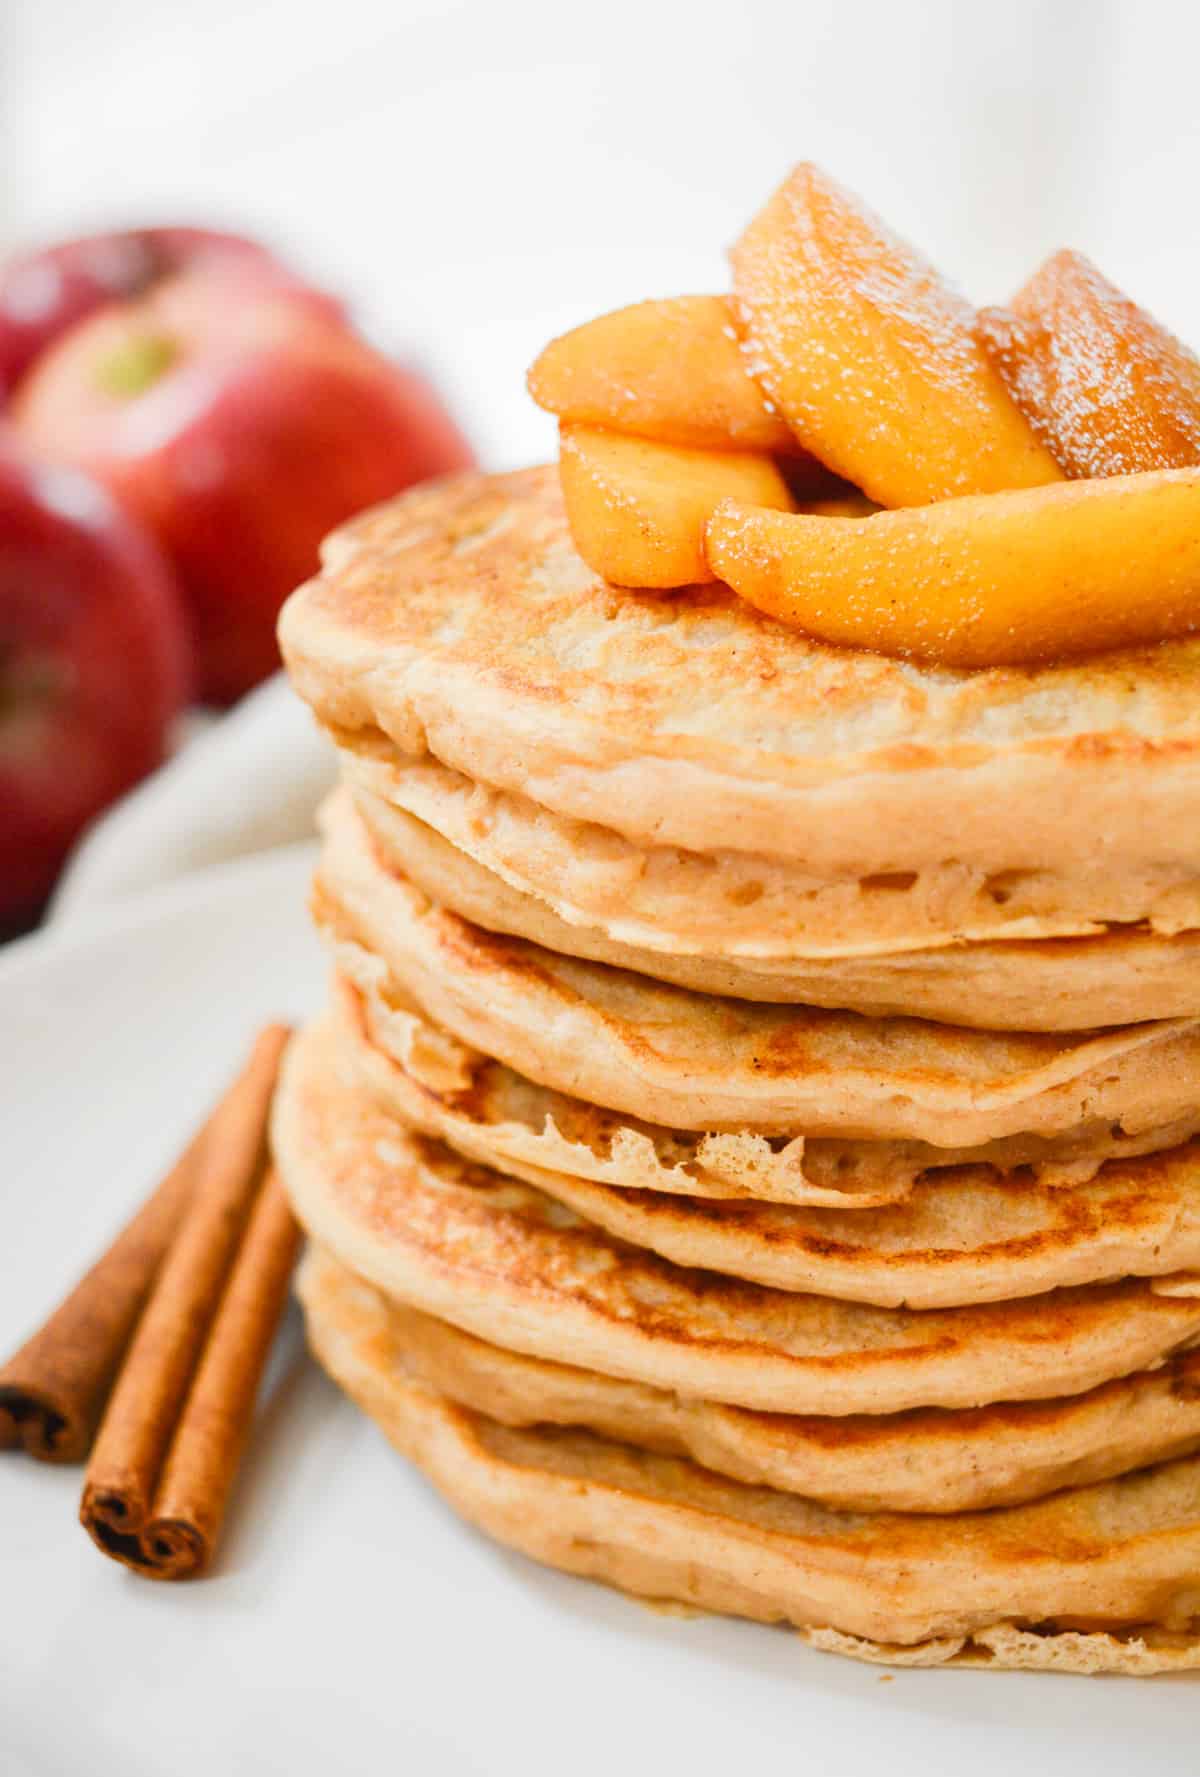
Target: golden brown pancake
(1111,1567)
(695,1061)
(749,1161)
(751,927)
(925,1460)
(958,1236)
(459,623)
(506,1262)
(495,1115)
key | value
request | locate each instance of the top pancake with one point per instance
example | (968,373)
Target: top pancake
(460,622)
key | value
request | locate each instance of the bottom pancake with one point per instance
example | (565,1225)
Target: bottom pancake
(925,1460)
(1101,1578)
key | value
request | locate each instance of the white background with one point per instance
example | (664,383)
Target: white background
(482,175)
(478,177)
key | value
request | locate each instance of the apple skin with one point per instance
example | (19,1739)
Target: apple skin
(264,424)
(47,290)
(93,665)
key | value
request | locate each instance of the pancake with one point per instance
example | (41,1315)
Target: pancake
(968,1235)
(926,1460)
(496,1116)
(459,623)
(1144,1653)
(1113,1565)
(1128,976)
(955,1240)
(515,1267)
(695,1061)
(751,927)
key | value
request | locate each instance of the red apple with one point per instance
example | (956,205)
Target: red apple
(48,290)
(240,423)
(93,665)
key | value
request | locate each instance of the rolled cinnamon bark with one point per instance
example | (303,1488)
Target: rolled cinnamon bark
(177,1418)
(53,1391)
(180,1535)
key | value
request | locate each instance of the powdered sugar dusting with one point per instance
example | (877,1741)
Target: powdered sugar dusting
(1109,390)
(870,355)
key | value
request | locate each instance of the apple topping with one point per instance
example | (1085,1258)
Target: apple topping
(871,358)
(672,371)
(1017,486)
(984,580)
(637,509)
(1108,389)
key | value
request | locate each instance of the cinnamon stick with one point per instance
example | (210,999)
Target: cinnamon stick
(171,1436)
(189,1506)
(52,1392)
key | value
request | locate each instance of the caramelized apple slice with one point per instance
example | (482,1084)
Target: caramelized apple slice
(637,509)
(670,370)
(871,358)
(986,580)
(1107,388)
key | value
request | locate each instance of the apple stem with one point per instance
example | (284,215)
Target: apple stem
(134,365)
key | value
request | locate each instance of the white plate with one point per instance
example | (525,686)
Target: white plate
(354,1624)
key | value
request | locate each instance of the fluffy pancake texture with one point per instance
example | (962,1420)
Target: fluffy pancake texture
(737,904)
(695,1061)
(925,1460)
(967,1236)
(460,623)
(944,946)
(752,1154)
(492,1114)
(514,1266)
(1112,1566)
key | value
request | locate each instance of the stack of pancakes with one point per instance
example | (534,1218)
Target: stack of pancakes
(750,1155)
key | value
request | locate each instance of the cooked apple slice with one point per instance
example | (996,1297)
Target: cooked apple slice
(637,509)
(871,358)
(986,580)
(669,370)
(1108,390)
